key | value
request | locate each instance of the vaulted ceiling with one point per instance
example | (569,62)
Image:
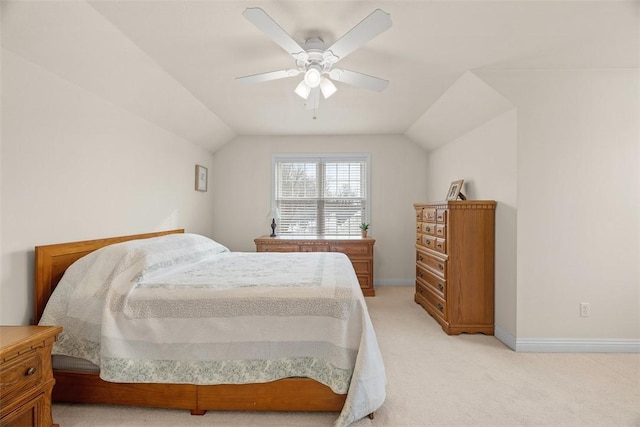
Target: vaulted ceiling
(174,63)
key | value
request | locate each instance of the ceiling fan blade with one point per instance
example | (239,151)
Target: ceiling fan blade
(265,77)
(264,22)
(358,79)
(313,101)
(376,23)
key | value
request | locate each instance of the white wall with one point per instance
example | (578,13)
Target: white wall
(578,202)
(241,181)
(76,167)
(485,158)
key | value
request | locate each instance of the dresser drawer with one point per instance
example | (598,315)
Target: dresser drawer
(352,250)
(314,248)
(429,214)
(361,267)
(441,215)
(429,228)
(441,246)
(441,230)
(429,242)
(365,284)
(435,303)
(419,214)
(279,248)
(437,284)
(20,374)
(437,266)
(33,413)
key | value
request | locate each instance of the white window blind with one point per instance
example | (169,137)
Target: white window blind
(321,195)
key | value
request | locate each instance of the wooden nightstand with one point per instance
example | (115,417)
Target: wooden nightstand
(26,377)
(358,249)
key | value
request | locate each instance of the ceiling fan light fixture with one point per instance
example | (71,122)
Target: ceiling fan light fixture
(327,87)
(303,90)
(313,76)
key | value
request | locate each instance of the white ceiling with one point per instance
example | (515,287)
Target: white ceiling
(174,62)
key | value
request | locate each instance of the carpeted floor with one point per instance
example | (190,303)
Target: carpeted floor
(440,380)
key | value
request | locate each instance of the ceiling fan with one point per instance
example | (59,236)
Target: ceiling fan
(316,61)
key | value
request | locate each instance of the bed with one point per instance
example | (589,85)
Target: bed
(350,381)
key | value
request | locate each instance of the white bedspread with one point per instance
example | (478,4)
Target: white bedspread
(183,309)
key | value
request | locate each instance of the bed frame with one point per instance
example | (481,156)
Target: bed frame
(289,394)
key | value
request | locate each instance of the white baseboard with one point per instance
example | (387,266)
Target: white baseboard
(508,339)
(567,345)
(577,345)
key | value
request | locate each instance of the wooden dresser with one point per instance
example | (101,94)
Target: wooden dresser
(455,264)
(358,249)
(26,378)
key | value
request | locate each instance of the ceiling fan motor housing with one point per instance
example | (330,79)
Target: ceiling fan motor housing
(315,54)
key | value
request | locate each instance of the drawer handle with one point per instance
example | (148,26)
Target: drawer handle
(440,287)
(439,306)
(30,371)
(440,266)
(420,258)
(419,273)
(428,228)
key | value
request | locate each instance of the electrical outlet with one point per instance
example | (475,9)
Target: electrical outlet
(585,309)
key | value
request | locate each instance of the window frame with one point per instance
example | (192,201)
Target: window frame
(324,157)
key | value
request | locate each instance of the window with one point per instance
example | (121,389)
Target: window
(321,195)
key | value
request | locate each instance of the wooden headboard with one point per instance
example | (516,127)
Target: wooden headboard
(53,260)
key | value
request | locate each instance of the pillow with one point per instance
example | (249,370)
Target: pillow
(149,254)
(86,282)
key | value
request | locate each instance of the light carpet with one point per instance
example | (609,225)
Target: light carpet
(440,380)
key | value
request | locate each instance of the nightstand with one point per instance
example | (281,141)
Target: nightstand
(26,377)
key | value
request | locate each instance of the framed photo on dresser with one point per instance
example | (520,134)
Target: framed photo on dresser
(454,189)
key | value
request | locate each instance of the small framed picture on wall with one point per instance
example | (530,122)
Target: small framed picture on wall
(201,178)
(454,189)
